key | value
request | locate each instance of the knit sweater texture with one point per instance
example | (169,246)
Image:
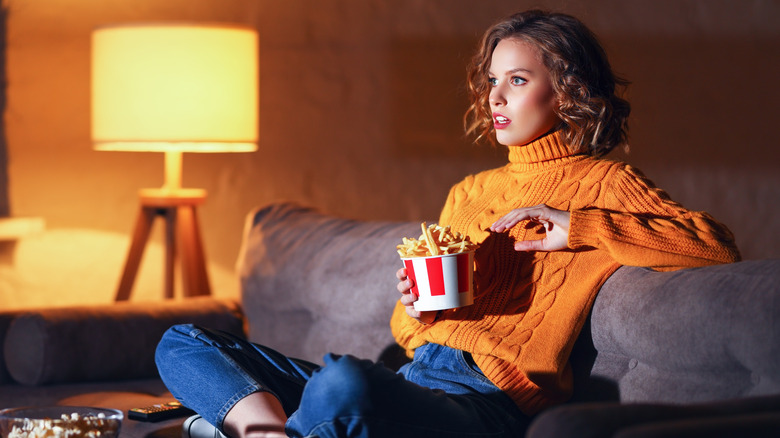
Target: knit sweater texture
(530,306)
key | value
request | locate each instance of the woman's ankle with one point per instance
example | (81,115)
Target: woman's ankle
(258,415)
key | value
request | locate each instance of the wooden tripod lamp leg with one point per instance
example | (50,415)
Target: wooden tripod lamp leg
(182,240)
(193,259)
(170,251)
(143,226)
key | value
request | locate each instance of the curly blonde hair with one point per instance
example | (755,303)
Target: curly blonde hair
(593,116)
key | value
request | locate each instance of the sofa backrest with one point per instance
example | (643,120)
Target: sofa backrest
(312,283)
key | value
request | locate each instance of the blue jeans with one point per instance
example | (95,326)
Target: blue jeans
(441,393)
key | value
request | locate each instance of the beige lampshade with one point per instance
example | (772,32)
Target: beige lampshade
(175,87)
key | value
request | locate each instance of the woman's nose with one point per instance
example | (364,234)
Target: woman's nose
(496,97)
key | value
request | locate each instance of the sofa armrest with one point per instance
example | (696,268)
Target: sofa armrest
(692,335)
(5,321)
(107,342)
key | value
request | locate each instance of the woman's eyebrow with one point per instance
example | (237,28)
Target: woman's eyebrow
(518,70)
(513,71)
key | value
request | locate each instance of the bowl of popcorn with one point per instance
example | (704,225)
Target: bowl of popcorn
(60,422)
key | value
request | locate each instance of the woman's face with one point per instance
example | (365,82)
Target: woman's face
(521,99)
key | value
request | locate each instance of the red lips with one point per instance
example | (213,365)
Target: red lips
(500,121)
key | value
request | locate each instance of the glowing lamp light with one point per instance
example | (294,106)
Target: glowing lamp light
(174,88)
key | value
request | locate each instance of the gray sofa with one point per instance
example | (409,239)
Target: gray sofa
(674,353)
(664,354)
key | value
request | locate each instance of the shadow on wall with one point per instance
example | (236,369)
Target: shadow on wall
(702,101)
(689,107)
(428,99)
(5,209)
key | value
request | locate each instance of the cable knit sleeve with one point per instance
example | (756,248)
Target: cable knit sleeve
(640,225)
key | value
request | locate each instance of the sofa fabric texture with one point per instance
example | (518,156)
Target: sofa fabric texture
(112,342)
(754,417)
(6,318)
(315,283)
(692,335)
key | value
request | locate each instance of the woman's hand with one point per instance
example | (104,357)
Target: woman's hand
(556,225)
(405,285)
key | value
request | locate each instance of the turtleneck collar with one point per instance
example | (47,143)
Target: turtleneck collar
(540,152)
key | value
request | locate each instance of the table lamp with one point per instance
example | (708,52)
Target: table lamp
(173,88)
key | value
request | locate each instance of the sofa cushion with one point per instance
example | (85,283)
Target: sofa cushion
(111,342)
(313,283)
(754,417)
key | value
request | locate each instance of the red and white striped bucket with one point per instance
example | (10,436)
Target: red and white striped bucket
(442,282)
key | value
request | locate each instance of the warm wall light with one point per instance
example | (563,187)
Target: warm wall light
(174,88)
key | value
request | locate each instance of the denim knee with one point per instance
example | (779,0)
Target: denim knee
(344,383)
(199,374)
(337,399)
(173,339)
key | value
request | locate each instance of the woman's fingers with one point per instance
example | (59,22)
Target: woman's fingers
(538,212)
(556,224)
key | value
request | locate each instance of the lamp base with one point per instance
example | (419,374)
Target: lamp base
(182,236)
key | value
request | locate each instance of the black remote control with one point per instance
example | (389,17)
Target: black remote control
(159,412)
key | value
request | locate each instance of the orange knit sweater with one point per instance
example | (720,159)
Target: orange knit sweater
(530,306)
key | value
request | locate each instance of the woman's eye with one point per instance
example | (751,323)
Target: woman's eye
(518,81)
(493,82)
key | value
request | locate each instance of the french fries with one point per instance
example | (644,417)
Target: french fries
(435,240)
